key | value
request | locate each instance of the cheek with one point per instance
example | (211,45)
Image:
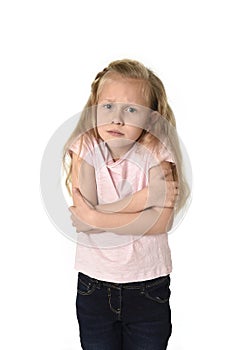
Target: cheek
(134,133)
(100,130)
(103,119)
(99,120)
(137,121)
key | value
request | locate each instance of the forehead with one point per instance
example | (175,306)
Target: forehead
(127,90)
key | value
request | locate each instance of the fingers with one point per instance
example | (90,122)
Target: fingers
(172,192)
(168,174)
(169,170)
(165,193)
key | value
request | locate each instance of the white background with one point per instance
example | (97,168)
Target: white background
(50,53)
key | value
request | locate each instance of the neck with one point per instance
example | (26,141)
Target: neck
(118,152)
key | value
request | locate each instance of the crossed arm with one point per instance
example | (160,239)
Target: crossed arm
(149,210)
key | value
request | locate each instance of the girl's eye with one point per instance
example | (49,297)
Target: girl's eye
(131,109)
(107,106)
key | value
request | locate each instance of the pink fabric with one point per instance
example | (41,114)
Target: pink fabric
(121,258)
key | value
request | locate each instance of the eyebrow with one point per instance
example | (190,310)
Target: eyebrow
(108,100)
(113,100)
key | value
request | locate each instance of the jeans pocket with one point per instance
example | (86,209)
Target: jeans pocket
(86,286)
(159,291)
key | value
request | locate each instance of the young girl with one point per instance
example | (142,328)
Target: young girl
(127,185)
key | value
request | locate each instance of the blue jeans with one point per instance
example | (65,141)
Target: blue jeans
(123,316)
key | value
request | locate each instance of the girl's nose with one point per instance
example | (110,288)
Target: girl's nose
(117,122)
(117,118)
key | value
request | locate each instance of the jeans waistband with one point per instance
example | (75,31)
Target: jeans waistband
(128,285)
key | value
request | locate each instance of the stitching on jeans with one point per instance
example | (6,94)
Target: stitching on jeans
(132,287)
(109,285)
(109,301)
(87,285)
(90,288)
(157,299)
(156,283)
(136,286)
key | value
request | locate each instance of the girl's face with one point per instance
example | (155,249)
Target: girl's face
(122,111)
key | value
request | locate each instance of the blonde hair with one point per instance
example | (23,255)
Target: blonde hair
(165,128)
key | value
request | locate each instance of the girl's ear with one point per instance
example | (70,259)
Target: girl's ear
(153,118)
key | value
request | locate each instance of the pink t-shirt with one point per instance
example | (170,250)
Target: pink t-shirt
(115,257)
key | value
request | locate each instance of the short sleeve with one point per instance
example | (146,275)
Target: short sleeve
(165,155)
(160,155)
(83,147)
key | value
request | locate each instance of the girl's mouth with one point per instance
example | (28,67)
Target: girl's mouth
(115,133)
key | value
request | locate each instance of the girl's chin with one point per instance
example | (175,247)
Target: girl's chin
(119,142)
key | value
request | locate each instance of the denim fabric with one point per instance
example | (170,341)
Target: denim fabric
(128,316)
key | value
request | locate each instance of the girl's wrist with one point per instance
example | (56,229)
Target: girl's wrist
(92,217)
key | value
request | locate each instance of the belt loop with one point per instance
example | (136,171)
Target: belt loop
(97,283)
(142,288)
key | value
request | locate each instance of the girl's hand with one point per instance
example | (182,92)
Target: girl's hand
(172,189)
(82,213)
(162,189)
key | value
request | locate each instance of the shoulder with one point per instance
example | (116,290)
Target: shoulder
(158,151)
(83,147)
(83,144)
(165,154)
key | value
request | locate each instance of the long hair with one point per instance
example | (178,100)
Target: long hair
(164,129)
